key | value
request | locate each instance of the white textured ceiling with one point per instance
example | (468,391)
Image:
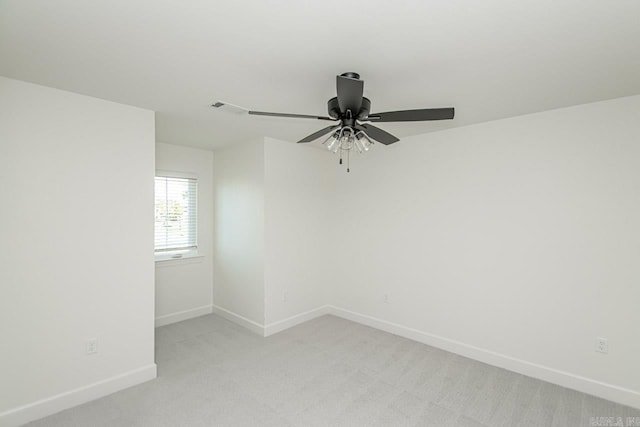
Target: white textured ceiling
(490,59)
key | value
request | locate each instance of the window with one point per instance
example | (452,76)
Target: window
(176,207)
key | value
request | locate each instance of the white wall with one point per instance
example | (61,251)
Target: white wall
(184,286)
(272,203)
(299,215)
(77,248)
(514,241)
(239,230)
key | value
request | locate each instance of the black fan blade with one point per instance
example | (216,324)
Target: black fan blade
(349,94)
(318,134)
(378,134)
(413,115)
(295,116)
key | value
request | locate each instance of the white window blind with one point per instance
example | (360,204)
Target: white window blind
(176,214)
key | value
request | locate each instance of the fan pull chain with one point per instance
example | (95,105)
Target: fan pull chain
(340,155)
(348,157)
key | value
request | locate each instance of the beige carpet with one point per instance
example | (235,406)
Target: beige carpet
(328,371)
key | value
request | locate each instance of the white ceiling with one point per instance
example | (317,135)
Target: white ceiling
(490,59)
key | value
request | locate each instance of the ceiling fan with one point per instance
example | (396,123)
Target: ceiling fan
(352,111)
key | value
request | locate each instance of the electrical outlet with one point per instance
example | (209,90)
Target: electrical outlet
(92,346)
(385,298)
(602,345)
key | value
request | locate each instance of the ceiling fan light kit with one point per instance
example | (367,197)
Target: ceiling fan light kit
(351,109)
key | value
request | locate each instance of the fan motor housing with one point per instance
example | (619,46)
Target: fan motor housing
(334,109)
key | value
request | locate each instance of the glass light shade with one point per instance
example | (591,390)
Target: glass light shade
(330,137)
(346,138)
(333,142)
(359,145)
(364,140)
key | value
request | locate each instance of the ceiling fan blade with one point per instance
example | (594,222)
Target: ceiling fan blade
(295,116)
(413,115)
(349,94)
(318,134)
(378,134)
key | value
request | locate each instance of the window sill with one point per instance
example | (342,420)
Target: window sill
(184,259)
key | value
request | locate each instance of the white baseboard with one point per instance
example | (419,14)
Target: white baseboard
(274,327)
(238,319)
(59,402)
(565,379)
(281,325)
(179,316)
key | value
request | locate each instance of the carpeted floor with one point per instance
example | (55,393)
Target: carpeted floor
(328,371)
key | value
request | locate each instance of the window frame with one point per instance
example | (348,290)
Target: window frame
(177,254)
